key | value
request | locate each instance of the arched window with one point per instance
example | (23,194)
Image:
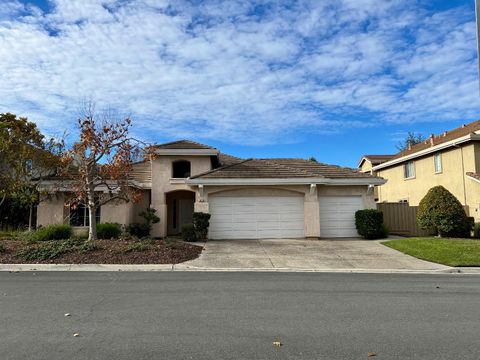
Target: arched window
(181,169)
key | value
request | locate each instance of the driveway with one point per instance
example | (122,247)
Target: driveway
(348,254)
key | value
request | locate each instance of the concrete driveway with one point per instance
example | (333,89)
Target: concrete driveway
(328,255)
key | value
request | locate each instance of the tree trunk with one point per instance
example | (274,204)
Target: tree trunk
(92,229)
(30,218)
(2,199)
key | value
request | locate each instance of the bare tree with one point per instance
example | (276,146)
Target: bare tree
(97,167)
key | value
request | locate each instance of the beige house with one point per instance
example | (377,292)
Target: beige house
(247,198)
(451,159)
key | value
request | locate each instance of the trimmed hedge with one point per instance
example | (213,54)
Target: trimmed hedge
(476,231)
(138,229)
(369,224)
(51,232)
(189,233)
(108,231)
(440,211)
(201,222)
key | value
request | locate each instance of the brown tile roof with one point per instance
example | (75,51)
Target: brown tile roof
(442,138)
(183,144)
(225,159)
(280,168)
(476,176)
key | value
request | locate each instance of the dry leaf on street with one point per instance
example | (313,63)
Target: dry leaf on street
(277,343)
(371,354)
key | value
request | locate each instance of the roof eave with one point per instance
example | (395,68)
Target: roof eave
(189,152)
(455,142)
(287,181)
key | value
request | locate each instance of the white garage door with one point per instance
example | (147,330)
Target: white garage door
(337,215)
(256,217)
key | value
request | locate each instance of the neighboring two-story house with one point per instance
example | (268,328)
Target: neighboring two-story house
(247,198)
(451,159)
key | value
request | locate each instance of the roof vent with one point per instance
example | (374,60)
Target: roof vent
(463,125)
(445,133)
(432,137)
(409,145)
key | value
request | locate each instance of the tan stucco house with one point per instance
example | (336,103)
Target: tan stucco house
(450,159)
(247,198)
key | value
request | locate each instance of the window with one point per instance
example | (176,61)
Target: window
(79,215)
(438,163)
(181,169)
(409,170)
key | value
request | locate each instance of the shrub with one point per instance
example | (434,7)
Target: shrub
(440,211)
(189,233)
(88,246)
(108,231)
(139,230)
(150,216)
(174,244)
(476,231)
(51,232)
(369,224)
(45,251)
(137,246)
(201,222)
(2,248)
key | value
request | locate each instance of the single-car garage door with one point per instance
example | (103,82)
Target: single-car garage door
(256,217)
(337,215)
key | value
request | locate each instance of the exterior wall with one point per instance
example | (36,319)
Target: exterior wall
(366,166)
(162,183)
(125,213)
(52,211)
(456,162)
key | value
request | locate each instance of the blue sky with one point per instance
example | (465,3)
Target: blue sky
(330,79)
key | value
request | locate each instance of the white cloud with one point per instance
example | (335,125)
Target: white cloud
(236,71)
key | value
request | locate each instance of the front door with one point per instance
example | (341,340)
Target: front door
(185,212)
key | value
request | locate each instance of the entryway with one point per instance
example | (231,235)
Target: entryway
(179,210)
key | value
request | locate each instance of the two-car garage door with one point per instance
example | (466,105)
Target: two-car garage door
(256,217)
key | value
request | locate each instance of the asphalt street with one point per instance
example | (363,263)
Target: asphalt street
(206,315)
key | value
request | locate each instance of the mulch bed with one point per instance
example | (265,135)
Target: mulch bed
(109,252)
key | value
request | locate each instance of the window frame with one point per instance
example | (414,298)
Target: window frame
(85,216)
(439,156)
(405,167)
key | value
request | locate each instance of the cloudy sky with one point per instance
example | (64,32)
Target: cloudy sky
(332,79)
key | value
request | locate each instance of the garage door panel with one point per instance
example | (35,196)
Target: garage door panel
(256,217)
(337,215)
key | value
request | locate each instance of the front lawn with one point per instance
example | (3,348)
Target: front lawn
(451,252)
(80,251)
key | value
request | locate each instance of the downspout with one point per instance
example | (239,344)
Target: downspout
(463,175)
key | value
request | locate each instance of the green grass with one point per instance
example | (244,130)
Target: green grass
(452,252)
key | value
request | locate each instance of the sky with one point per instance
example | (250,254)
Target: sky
(333,79)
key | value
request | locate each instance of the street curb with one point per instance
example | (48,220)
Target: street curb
(186,268)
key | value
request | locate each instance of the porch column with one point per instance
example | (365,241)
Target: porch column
(311,210)
(201,204)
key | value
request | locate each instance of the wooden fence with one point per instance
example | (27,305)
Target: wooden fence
(401,219)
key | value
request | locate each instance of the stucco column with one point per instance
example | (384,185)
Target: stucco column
(311,210)
(160,229)
(201,200)
(201,207)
